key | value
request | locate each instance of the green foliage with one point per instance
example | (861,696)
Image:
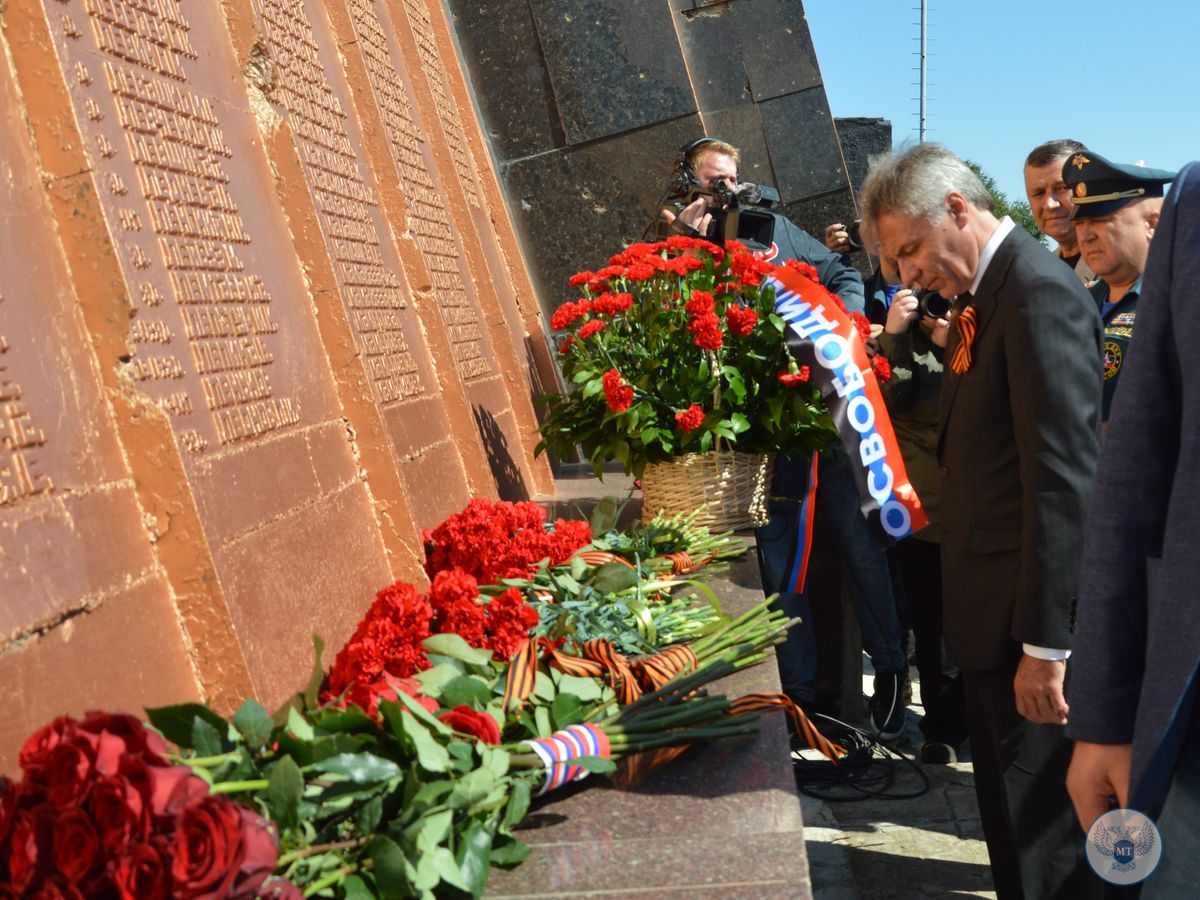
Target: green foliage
(1018,210)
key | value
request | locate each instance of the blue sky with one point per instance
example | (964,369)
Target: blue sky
(1005,75)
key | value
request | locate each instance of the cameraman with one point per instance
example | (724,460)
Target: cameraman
(703,164)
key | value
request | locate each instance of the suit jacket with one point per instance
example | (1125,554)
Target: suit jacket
(1017,448)
(1138,644)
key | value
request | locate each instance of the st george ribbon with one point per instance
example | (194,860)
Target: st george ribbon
(822,336)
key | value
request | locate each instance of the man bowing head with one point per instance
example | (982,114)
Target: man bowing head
(1017,448)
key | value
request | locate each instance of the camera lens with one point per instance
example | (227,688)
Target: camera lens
(933,304)
(854,235)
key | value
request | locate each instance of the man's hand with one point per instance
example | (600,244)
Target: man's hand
(693,218)
(1098,772)
(902,313)
(1039,689)
(837,238)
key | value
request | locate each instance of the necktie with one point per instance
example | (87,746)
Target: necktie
(965,322)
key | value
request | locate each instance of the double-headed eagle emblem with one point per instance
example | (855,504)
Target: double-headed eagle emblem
(1123,844)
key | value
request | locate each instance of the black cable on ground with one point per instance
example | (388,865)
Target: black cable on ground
(868,771)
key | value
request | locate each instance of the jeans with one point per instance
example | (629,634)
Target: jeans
(864,563)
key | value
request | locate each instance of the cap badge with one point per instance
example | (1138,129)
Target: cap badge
(1079,161)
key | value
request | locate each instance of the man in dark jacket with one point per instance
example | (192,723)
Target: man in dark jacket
(1017,446)
(1134,672)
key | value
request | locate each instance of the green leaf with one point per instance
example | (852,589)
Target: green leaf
(455,647)
(541,716)
(254,723)
(473,857)
(518,805)
(432,679)
(175,722)
(738,422)
(299,727)
(284,788)
(510,852)
(432,830)
(566,710)
(368,814)
(472,788)
(604,515)
(361,768)
(343,721)
(355,888)
(613,577)
(205,739)
(543,687)
(447,867)
(585,689)
(465,691)
(388,867)
(431,755)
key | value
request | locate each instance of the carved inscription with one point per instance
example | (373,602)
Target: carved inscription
(427,217)
(19,478)
(345,202)
(447,109)
(188,237)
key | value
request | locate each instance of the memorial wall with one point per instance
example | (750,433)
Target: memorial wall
(264,314)
(262,318)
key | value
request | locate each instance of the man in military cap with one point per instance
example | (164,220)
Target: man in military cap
(1116,211)
(1050,200)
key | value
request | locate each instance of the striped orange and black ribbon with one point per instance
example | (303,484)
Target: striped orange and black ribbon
(965,322)
(653,672)
(764,702)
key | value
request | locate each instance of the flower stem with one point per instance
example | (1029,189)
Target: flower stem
(238,787)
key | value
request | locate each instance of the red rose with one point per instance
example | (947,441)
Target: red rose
(140,872)
(468,721)
(52,891)
(30,847)
(221,849)
(76,846)
(10,793)
(164,790)
(121,733)
(68,773)
(119,811)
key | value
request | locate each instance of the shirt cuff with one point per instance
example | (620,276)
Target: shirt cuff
(1045,652)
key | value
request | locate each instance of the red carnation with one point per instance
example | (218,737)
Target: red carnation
(791,379)
(566,344)
(640,271)
(863,324)
(740,320)
(509,620)
(803,268)
(590,328)
(612,304)
(883,368)
(580,278)
(566,315)
(707,332)
(467,721)
(701,304)
(618,394)
(690,419)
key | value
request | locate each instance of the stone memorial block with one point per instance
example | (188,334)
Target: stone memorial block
(201,320)
(79,579)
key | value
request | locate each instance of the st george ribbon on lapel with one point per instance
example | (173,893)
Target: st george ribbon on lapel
(965,323)
(822,336)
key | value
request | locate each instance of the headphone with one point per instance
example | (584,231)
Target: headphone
(685,177)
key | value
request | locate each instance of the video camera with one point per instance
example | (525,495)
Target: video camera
(739,214)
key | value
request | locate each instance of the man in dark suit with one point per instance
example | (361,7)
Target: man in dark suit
(1017,448)
(1133,703)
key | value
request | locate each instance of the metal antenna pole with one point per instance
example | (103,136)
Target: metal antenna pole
(924,54)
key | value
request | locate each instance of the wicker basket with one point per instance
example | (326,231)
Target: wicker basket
(731,486)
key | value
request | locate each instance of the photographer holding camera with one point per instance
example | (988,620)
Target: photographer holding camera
(709,202)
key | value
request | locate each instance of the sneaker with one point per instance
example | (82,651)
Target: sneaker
(892,694)
(938,754)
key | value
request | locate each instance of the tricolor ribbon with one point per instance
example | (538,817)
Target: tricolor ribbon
(557,751)
(804,532)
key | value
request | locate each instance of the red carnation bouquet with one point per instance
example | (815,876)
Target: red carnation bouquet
(672,348)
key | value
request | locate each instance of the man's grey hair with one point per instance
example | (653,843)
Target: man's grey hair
(914,184)
(1052,151)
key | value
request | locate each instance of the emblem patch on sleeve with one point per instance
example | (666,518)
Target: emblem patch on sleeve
(1112,359)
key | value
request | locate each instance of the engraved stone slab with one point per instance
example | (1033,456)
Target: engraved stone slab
(614,65)
(72,547)
(220,338)
(777,47)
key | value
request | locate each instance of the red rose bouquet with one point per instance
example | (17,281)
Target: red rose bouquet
(672,348)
